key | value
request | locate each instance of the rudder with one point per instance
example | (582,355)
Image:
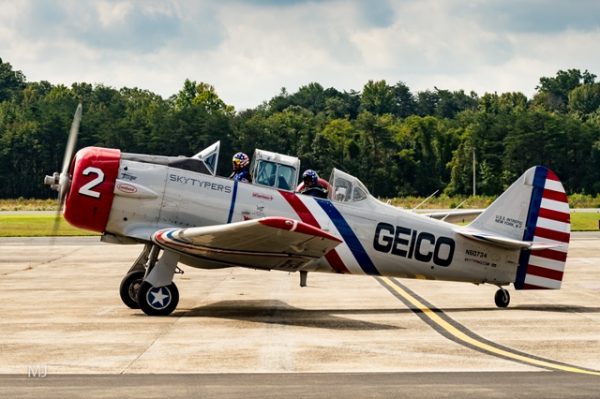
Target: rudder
(548,220)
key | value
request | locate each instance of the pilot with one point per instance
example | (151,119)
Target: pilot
(241,166)
(310,178)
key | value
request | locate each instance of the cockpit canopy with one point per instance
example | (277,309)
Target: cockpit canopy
(275,170)
(346,188)
(281,172)
(210,157)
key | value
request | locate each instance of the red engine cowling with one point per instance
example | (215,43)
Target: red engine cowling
(90,197)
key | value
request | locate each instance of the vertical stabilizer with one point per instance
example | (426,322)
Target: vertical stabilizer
(533,209)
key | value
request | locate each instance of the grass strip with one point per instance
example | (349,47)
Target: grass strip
(41,225)
(585,221)
(37,226)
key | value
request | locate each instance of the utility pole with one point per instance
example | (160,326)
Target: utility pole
(474,174)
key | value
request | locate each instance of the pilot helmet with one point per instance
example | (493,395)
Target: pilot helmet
(240,160)
(310,177)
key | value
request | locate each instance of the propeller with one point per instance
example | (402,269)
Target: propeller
(62,181)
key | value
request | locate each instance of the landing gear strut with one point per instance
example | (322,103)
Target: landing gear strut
(502,298)
(303,278)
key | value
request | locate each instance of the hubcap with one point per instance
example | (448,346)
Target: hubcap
(134,287)
(158,297)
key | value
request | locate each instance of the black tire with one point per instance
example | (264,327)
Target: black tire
(502,298)
(161,305)
(129,288)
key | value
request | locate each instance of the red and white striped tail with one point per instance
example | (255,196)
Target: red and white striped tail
(548,221)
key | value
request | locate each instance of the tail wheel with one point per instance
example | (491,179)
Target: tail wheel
(502,298)
(157,301)
(130,286)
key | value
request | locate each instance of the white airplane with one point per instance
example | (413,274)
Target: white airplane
(185,214)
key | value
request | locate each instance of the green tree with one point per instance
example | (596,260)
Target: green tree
(198,118)
(427,102)
(341,105)
(11,82)
(585,99)
(337,136)
(553,93)
(426,144)
(405,103)
(311,97)
(378,98)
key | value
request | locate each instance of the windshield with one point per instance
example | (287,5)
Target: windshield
(210,157)
(275,175)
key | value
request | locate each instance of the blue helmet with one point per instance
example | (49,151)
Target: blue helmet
(240,160)
(310,177)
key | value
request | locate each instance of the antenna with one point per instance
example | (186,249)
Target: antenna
(456,207)
(425,200)
(474,173)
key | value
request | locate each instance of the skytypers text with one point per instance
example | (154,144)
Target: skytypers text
(200,183)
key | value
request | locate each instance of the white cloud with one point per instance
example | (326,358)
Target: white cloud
(250,49)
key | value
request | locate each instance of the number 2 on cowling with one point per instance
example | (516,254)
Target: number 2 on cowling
(87,189)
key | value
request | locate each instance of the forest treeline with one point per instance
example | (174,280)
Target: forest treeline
(396,141)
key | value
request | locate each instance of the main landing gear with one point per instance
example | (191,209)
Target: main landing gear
(130,287)
(158,301)
(148,285)
(502,298)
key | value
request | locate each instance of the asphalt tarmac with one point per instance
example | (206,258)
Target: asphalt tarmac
(302,385)
(238,332)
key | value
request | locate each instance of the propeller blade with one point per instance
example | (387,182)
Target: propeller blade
(72,141)
(56,223)
(62,182)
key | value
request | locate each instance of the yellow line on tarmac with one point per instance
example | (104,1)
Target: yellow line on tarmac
(482,345)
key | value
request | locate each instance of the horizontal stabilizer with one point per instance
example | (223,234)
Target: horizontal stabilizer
(454,215)
(505,242)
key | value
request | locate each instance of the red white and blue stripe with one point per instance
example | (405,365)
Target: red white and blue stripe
(548,221)
(350,256)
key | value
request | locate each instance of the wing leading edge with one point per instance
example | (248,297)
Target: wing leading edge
(266,243)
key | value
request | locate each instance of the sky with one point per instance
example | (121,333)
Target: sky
(250,50)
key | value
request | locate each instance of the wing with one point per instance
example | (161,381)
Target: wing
(266,243)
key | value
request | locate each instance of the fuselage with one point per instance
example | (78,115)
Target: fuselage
(378,239)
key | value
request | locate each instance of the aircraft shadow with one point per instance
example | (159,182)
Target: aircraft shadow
(559,308)
(279,312)
(531,308)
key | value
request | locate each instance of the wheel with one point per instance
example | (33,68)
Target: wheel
(129,288)
(502,298)
(157,301)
